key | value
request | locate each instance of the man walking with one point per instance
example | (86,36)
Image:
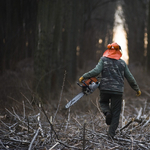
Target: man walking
(113,70)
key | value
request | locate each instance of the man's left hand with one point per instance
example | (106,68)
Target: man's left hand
(81,79)
(138,93)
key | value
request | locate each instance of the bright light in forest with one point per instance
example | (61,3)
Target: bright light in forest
(120,34)
(100,41)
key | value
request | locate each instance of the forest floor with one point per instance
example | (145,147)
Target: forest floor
(82,126)
(74,129)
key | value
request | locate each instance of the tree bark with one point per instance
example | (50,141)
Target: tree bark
(148,47)
(135,16)
(42,57)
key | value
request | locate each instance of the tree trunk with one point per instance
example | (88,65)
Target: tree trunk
(148,47)
(57,56)
(135,16)
(43,51)
(70,39)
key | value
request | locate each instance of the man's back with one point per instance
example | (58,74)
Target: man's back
(112,75)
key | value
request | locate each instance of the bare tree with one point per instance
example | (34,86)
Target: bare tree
(148,47)
(43,58)
(135,17)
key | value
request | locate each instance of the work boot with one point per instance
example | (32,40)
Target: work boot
(108,118)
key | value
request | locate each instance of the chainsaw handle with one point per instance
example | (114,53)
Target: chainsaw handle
(86,85)
(82,85)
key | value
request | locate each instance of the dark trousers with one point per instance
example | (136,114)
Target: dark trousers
(111,103)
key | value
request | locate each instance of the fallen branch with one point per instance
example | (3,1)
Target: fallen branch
(132,120)
(54,146)
(30,146)
(3,145)
(52,128)
(84,136)
(60,97)
(40,126)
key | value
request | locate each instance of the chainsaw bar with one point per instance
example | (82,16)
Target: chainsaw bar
(74,100)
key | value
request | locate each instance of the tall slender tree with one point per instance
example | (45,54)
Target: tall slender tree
(71,31)
(148,47)
(43,50)
(18,20)
(135,17)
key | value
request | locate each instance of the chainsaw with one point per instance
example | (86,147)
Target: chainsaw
(88,86)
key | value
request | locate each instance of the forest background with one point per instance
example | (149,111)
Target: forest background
(45,43)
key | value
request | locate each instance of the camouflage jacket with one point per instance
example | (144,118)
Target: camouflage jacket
(113,72)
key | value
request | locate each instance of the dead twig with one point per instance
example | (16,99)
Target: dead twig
(60,96)
(68,119)
(84,135)
(3,145)
(40,126)
(123,107)
(54,146)
(52,128)
(132,120)
(30,146)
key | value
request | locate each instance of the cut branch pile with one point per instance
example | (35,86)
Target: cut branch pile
(73,131)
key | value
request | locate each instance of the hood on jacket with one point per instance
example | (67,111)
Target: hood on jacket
(113,51)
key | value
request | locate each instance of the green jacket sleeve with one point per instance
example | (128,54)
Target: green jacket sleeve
(130,79)
(94,72)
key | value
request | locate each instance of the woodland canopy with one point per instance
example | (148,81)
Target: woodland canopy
(43,42)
